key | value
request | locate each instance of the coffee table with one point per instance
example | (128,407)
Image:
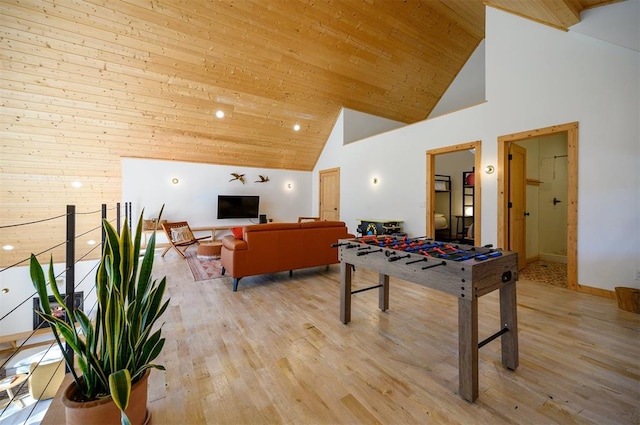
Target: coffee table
(12,381)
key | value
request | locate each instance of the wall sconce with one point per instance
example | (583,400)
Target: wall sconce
(289,186)
(375,180)
(175,180)
(489,169)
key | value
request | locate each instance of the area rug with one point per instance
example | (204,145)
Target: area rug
(203,268)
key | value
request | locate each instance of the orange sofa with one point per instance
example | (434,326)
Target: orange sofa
(277,247)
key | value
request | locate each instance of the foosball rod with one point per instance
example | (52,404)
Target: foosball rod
(492,337)
(360,253)
(417,261)
(442,263)
(347,244)
(399,257)
(366,289)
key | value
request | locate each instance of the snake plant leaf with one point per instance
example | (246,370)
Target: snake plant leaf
(37,277)
(120,388)
(153,311)
(152,347)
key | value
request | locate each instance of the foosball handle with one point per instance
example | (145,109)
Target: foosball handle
(487,256)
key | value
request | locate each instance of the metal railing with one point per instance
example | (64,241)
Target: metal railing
(28,339)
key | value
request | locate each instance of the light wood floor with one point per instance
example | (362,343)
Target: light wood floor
(275,352)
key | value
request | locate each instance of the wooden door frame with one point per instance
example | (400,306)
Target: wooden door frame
(572,191)
(431,182)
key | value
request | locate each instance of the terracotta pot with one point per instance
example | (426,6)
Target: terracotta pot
(104,411)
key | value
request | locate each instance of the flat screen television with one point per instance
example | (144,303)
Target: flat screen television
(238,206)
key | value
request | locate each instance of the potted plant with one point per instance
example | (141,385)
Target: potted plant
(115,350)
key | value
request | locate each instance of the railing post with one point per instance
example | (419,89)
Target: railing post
(129,214)
(118,217)
(70,274)
(103,231)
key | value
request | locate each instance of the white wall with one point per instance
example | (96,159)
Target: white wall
(536,77)
(468,88)
(397,158)
(147,184)
(361,125)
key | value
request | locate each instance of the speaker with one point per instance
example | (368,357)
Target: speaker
(263,218)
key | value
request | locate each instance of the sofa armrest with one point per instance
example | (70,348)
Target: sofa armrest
(233,244)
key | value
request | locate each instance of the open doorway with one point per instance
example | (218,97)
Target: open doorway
(555,154)
(454,193)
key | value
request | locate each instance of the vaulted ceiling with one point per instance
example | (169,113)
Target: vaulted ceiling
(146,78)
(87,82)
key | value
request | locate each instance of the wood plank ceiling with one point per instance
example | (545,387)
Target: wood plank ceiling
(87,82)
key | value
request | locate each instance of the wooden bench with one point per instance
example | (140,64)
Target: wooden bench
(12,339)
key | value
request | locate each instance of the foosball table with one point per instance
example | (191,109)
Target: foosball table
(464,271)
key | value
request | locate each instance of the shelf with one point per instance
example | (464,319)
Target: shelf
(212,229)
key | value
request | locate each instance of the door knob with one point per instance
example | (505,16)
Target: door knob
(526,214)
(556,200)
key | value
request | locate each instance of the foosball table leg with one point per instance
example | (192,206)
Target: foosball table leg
(468,348)
(345,292)
(383,292)
(509,319)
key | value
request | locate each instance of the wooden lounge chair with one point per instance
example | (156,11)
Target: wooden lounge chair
(180,237)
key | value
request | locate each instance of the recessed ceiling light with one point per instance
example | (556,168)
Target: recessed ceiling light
(8,247)
(296,127)
(220,114)
(91,242)
(76,184)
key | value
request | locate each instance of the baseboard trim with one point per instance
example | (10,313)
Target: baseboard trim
(606,293)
